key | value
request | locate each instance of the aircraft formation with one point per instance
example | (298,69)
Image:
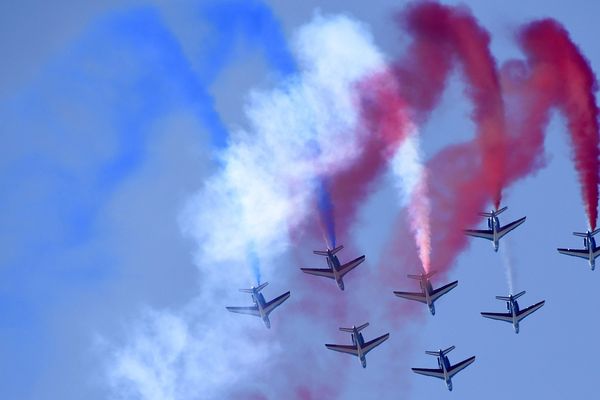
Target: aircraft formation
(428,295)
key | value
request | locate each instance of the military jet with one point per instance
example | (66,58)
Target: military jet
(358,348)
(495,231)
(428,295)
(590,252)
(514,314)
(260,308)
(336,270)
(445,371)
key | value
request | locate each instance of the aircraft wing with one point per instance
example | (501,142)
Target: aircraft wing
(456,368)
(499,316)
(437,293)
(245,310)
(352,349)
(575,252)
(529,310)
(349,266)
(270,306)
(509,227)
(486,234)
(436,373)
(412,296)
(370,345)
(319,272)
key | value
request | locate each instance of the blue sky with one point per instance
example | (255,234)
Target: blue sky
(123,118)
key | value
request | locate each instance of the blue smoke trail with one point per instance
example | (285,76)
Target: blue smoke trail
(326,210)
(80,129)
(254,23)
(254,262)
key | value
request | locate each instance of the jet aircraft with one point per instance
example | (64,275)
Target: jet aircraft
(359,347)
(514,314)
(445,371)
(336,270)
(590,252)
(495,231)
(428,295)
(260,308)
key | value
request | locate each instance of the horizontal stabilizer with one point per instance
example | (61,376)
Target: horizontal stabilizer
(585,234)
(257,289)
(326,253)
(422,276)
(516,296)
(493,213)
(444,352)
(358,329)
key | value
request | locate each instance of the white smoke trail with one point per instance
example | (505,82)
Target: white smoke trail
(266,187)
(507,260)
(409,167)
(270,171)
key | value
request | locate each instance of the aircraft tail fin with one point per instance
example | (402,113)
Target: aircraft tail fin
(493,213)
(358,328)
(325,253)
(419,277)
(258,288)
(507,298)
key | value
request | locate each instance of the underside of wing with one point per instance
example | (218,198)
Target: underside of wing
(349,266)
(485,234)
(412,296)
(374,343)
(245,310)
(270,306)
(436,373)
(529,310)
(319,272)
(456,368)
(437,293)
(575,253)
(343,348)
(499,316)
(509,227)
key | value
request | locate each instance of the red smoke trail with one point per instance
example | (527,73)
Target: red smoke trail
(567,78)
(441,35)
(555,75)
(384,126)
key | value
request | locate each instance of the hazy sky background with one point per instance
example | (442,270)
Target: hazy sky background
(108,135)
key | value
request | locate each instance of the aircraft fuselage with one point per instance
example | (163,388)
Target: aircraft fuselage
(494,225)
(590,245)
(444,365)
(427,290)
(259,301)
(334,263)
(359,341)
(513,308)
